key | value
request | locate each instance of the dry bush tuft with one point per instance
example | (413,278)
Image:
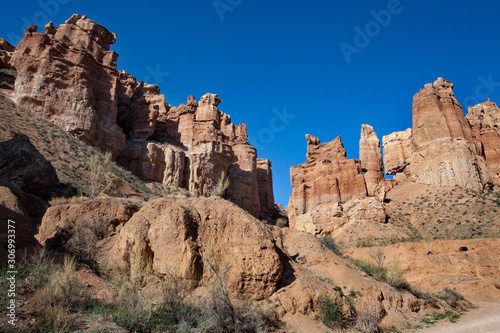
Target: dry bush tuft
(367,321)
(222,185)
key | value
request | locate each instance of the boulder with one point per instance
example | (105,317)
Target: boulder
(23,167)
(192,238)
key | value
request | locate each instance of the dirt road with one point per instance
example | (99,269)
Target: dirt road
(484,318)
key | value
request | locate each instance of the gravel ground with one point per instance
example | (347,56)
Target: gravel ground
(484,318)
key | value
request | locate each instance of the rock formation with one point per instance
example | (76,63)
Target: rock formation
(5,53)
(370,155)
(22,167)
(328,182)
(441,149)
(201,235)
(444,152)
(397,154)
(484,120)
(69,76)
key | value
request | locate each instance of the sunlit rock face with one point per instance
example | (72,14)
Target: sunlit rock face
(69,76)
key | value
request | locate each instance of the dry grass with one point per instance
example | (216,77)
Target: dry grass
(221,186)
(60,296)
(71,200)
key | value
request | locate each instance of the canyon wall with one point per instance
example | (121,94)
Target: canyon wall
(69,76)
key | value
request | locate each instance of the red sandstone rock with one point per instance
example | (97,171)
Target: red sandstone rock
(201,233)
(23,167)
(484,120)
(397,154)
(5,54)
(265,182)
(327,177)
(444,152)
(370,156)
(70,78)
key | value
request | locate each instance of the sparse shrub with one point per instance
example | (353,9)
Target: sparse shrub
(61,295)
(85,235)
(63,200)
(328,241)
(367,321)
(282,222)
(221,186)
(97,173)
(395,276)
(377,254)
(368,241)
(427,238)
(330,312)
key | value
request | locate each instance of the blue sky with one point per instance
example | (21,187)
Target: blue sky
(281,66)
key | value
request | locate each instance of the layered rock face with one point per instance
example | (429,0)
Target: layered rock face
(397,154)
(441,149)
(5,53)
(484,120)
(328,186)
(68,75)
(370,155)
(444,152)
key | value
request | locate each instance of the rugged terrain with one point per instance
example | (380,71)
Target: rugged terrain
(136,215)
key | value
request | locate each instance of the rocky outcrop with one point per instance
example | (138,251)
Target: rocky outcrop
(370,155)
(444,152)
(69,76)
(484,120)
(265,182)
(329,190)
(16,218)
(5,54)
(23,167)
(397,154)
(182,237)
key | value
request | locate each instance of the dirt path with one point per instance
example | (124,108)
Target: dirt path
(484,318)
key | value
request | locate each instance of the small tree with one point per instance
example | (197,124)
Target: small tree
(98,173)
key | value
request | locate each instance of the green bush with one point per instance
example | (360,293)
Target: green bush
(330,312)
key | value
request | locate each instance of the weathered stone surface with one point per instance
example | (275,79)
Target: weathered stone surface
(365,209)
(397,153)
(5,54)
(484,120)
(201,233)
(23,167)
(265,183)
(68,75)
(12,209)
(444,152)
(326,177)
(70,78)
(370,155)
(65,217)
(469,266)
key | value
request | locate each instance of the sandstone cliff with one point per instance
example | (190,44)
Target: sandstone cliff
(329,191)
(484,120)
(69,76)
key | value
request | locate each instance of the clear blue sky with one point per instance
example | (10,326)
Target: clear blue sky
(260,56)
